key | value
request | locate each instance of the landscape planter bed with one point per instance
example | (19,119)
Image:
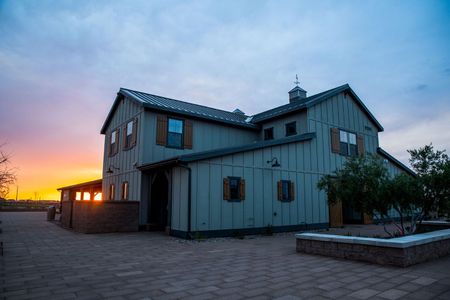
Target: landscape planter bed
(402,251)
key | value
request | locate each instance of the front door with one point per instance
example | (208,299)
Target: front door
(159,200)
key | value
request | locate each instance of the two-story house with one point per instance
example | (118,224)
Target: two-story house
(198,169)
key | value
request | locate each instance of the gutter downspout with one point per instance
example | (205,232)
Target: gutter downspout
(189,235)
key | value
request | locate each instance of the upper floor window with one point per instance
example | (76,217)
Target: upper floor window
(347,143)
(175,133)
(130,134)
(125,190)
(268,134)
(113,142)
(291,128)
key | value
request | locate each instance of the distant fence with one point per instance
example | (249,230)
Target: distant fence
(100,216)
(26,205)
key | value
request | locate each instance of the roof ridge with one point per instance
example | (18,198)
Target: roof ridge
(307,99)
(183,101)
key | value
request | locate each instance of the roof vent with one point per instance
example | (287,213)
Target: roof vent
(297,93)
(239,112)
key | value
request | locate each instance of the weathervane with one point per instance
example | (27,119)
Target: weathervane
(296,80)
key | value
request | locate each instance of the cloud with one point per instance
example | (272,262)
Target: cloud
(62,62)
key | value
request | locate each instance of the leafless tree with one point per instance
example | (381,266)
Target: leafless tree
(7,174)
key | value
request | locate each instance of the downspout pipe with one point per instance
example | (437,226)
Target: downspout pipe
(188,235)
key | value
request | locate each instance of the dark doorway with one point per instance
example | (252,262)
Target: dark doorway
(159,199)
(351,216)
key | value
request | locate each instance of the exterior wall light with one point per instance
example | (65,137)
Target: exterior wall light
(111,169)
(274,162)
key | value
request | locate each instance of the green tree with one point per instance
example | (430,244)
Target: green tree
(433,175)
(360,183)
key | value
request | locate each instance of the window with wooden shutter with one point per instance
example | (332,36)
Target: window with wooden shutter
(134,136)
(188,134)
(335,144)
(286,190)
(226,189)
(242,189)
(360,143)
(113,142)
(161,130)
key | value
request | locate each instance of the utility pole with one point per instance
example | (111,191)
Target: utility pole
(17,192)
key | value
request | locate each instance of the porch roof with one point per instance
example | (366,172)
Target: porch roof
(187,158)
(97,182)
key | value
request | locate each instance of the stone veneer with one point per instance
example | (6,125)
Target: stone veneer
(403,251)
(101,216)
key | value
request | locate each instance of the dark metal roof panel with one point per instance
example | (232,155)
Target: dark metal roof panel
(83,184)
(176,106)
(228,151)
(311,101)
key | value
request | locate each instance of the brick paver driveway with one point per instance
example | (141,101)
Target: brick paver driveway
(42,260)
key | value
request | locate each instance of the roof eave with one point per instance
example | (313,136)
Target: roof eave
(395,161)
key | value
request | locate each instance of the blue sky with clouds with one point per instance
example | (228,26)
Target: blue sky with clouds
(61,62)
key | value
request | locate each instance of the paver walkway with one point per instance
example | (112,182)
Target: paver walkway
(43,261)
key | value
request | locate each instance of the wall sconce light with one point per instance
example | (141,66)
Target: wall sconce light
(111,169)
(274,162)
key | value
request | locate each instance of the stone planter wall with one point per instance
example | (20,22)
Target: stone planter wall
(402,252)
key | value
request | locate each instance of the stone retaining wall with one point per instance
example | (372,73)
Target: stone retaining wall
(370,250)
(102,217)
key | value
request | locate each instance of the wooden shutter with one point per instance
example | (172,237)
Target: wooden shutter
(124,142)
(360,143)
(226,189)
(242,189)
(335,145)
(108,144)
(134,135)
(161,130)
(292,190)
(188,134)
(280,190)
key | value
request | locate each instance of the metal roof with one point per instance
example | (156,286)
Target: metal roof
(160,103)
(395,161)
(227,151)
(311,101)
(176,106)
(83,184)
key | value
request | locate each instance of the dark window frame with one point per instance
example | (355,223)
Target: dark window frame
(238,188)
(129,137)
(286,197)
(290,125)
(268,134)
(168,145)
(345,148)
(112,146)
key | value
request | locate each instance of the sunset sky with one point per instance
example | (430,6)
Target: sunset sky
(62,62)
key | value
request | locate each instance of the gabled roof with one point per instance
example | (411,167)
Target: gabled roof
(395,161)
(311,101)
(187,158)
(160,103)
